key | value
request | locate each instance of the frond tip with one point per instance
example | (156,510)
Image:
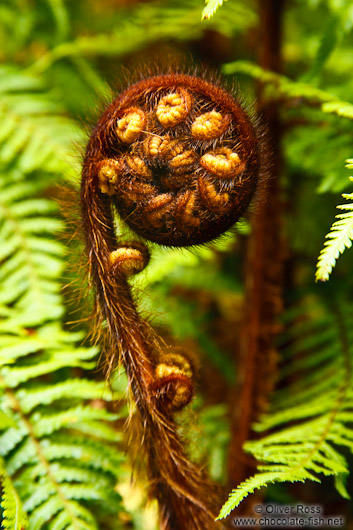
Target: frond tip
(254,483)
(13,515)
(339,238)
(210,8)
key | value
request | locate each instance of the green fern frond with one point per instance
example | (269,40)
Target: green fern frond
(27,269)
(42,439)
(13,514)
(339,238)
(320,404)
(285,87)
(338,24)
(328,42)
(210,8)
(61,18)
(35,134)
(57,441)
(78,389)
(252,484)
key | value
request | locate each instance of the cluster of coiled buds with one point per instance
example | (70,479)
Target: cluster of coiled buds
(180,159)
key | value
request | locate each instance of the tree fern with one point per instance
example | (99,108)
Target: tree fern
(339,238)
(60,450)
(311,418)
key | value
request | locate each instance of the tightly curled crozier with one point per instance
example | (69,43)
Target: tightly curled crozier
(178,158)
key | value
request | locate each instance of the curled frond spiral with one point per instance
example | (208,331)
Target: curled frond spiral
(179,158)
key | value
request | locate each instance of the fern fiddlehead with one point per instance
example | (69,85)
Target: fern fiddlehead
(177,157)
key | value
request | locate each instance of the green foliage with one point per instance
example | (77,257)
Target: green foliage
(150,23)
(328,43)
(311,418)
(285,87)
(208,438)
(13,516)
(30,261)
(58,445)
(35,133)
(59,454)
(339,238)
(210,8)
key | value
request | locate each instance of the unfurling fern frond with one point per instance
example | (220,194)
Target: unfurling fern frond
(339,238)
(310,419)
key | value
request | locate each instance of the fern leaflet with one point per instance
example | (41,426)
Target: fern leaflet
(210,8)
(320,403)
(59,458)
(287,88)
(339,238)
(13,517)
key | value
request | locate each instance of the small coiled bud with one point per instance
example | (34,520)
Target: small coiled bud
(209,125)
(173,108)
(129,259)
(130,125)
(179,158)
(109,171)
(173,386)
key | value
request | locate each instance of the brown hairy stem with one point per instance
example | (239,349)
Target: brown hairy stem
(257,358)
(181,489)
